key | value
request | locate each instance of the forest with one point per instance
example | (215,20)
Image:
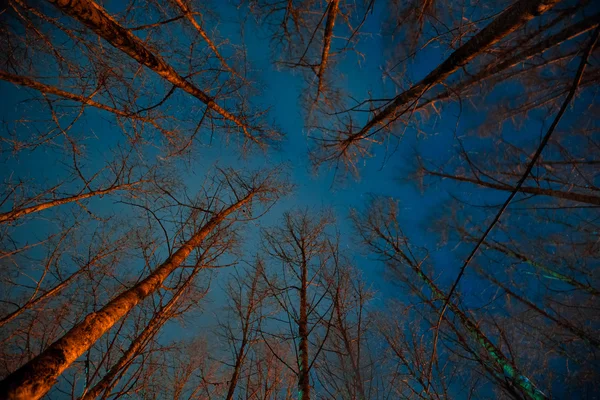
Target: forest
(299,199)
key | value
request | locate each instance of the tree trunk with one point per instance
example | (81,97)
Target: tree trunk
(139,342)
(489,71)
(35,378)
(579,197)
(509,370)
(510,20)
(98,20)
(87,100)
(327,36)
(20,212)
(303,374)
(552,274)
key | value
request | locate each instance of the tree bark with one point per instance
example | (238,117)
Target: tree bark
(98,20)
(47,89)
(35,378)
(303,373)
(157,321)
(489,71)
(327,36)
(510,20)
(20,212)
(509,370)
(579,197)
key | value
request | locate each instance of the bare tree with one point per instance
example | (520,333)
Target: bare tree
(35,378)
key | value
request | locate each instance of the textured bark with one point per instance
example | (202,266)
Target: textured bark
(567,33)
(303,373)
(573,196)
(158,320)
(98,20)
(35,378)
(20,212)
(47,89)
(510,20)
(327,36)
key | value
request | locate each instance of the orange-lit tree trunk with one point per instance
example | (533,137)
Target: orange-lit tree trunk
(20,212)
(507,22)
(327,36)
(108,381)
(98,20)
(87,100)
(35,378)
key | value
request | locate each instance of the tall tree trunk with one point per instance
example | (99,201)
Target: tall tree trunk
(507,22)
(303,373)
(239,360)
(49,293)
(20,212)
(349,349)
(509,370)
(491,70)
(98,20)
(327,36)
(138,344)
(87,100)
(35,378)
(546,270)
(572,196)
(563,323)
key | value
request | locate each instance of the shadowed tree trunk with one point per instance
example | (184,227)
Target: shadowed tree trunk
(572,196)
(378,229)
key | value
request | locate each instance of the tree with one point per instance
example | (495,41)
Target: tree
(302,246)
(36,377)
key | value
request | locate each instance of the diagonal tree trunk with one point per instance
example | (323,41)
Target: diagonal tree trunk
(491,70)
(20,212)
(35,378)
(500,361)
(573,196)
(51,292)
(327,36)
(543,268)
(98,20)
(154,325)
(507,22)
(87,100)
